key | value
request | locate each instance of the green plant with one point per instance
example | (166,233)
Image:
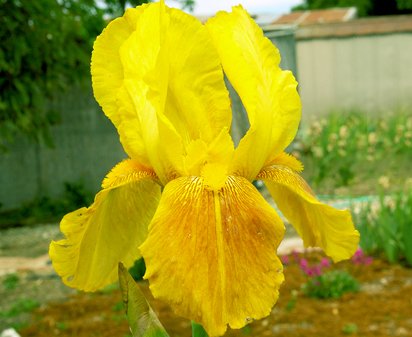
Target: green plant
(332,144)
(46,46)
(11,281)
(291,304)
(75,195)
(62,326)
(332,284)
(350,328)
(119,306)
(386,227)
(21,306)
(247,330)
(109,289)
(138,269)
(335,147)
(40,56)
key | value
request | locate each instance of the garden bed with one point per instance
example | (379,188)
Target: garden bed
(382,307)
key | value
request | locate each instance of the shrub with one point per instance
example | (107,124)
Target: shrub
(43,209)
(332,284)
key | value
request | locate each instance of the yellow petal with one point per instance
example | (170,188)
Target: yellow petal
(285,159)
(211,255)
(109,231)
(174,77)
(106,67)
(251,62)
(318,224)
(108,77)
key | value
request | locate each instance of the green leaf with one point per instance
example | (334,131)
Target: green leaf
(143,321)
(198,330)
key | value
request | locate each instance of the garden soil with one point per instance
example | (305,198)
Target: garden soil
(382,307)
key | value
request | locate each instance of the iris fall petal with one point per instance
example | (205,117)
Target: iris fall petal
(109,231)
(318,224)
(212,254)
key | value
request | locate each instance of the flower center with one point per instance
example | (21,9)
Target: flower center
(214,175)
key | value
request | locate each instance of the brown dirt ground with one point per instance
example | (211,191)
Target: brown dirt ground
(383,307)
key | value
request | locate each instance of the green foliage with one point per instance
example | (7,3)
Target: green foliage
(62,326)
(404,4)
(109,289)
(118,306)
(246,331)
(142,320)
(11,281)
(350,328)
(116,7)
(75,196)
(332,284)
(21,306)
(138,269)
(190,4)
(198,330)
(334,147)
(364,7)
(291,304)
(386,227)
(46,46)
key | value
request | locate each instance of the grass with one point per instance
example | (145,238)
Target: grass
(22,305)
(11,281)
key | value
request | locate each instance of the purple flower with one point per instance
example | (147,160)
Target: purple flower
(325,262)
(285,259)
(359,258)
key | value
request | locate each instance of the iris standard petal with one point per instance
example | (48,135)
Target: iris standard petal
(107,77)
(212,254)
(109,231)
(318,224)
(174,77)
(251,62)
(108,81)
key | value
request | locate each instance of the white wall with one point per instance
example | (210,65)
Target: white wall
(372,73)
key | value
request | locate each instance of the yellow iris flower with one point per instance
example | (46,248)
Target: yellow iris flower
(185,199)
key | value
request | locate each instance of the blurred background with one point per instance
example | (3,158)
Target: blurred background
(352,60)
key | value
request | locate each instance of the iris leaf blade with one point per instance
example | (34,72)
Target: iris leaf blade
(143,322)
(198,330)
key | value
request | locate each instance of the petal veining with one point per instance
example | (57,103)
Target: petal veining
(318,224)
(251,62)
(109,231)
(211,254)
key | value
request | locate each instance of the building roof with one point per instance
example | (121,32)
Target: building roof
(365,26)
(301,18)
